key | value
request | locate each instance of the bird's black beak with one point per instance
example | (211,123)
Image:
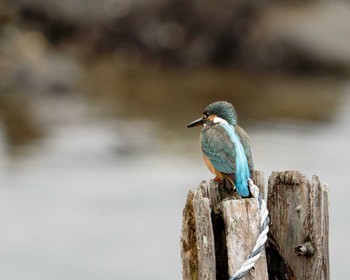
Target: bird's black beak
(197,122)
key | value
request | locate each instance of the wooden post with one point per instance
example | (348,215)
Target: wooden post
(219,231)
(197,238)
(298,243)
(218,234)
(242,224)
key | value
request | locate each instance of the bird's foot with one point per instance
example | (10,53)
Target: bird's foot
(217,179)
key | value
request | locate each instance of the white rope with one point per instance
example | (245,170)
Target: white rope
(260,242)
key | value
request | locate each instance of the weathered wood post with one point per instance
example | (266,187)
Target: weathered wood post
(299,227)
(219,231)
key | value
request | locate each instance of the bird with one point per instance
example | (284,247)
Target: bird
(225,145)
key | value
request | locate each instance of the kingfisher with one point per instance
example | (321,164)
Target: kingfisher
(225,145)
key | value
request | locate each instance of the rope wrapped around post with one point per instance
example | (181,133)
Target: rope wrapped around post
(260,242)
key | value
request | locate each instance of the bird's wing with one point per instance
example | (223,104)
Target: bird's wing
(245,140)
(219,148)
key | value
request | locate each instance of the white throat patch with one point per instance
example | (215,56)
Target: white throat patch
(219,120)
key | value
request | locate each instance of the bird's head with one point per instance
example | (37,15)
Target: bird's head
(217,112)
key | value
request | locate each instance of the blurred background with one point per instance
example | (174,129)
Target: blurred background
(95,157)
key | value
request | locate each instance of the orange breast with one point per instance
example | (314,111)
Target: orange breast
(212,169)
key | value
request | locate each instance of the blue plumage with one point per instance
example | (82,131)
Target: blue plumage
(225,145)
(242,171)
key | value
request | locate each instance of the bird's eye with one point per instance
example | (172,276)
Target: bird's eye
(205,115)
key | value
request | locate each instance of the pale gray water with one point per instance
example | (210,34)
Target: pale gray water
(82,204)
